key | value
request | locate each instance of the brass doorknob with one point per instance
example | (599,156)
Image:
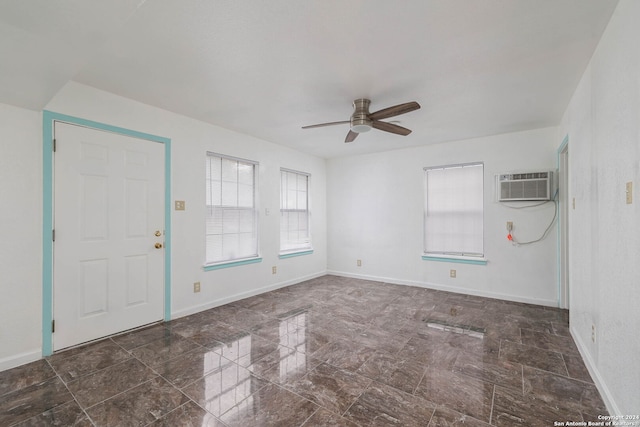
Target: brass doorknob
(158,245)
(158,233)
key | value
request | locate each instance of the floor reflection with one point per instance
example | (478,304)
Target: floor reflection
(292,351)
(229,384)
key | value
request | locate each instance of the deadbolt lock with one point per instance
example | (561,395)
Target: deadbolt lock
(158,233)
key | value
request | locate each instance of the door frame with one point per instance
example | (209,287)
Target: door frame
(563,224)
(48,120)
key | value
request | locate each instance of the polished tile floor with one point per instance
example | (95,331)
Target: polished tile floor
(331,351)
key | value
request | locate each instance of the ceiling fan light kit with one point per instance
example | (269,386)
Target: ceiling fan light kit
(362,121)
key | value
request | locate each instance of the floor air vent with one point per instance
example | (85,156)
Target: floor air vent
(473,331)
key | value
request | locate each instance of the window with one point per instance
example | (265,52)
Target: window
(294,212)
(231,230)
(453,213)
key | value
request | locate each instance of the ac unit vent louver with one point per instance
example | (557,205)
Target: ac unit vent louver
(515,187)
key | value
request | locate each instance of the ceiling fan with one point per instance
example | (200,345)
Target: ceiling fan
(362,120)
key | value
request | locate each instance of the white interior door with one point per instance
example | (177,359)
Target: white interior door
(108,273)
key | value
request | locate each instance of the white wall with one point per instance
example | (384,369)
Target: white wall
(21,249)
(603,125)
(20,236)
(376,211)
(190,140)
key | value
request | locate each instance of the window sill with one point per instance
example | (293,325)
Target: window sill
(456,259)
(295,254)
(210,267)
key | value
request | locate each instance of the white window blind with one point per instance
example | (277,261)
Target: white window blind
(231,231)
(453,214)
(294,211)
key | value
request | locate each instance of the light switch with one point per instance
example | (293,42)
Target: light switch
(629,191)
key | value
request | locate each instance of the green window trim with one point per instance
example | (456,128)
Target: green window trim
(211,267)
(458,260)
(295,254)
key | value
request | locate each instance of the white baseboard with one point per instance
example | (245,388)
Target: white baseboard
(595,374)
(457,290)
(31,356)
(236,297)
(20,359)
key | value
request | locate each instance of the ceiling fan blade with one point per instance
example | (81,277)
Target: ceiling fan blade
(351,136)
(396,110)
(325,124)
(390,127)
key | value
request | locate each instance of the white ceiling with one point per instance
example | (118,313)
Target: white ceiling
(266,68)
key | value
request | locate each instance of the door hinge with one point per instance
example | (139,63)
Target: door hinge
(54,145)
(53,235)
(53,326)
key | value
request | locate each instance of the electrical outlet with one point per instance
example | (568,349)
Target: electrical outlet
(509,226)
(359,263)
(196,287)
(274,269)
(593,333)
(179,205)
(452,273)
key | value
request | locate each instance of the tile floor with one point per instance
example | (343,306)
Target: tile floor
(331,351)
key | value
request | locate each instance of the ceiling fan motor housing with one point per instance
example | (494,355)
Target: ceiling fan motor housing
(360,121)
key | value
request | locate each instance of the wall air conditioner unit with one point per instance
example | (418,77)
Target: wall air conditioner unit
(518,187)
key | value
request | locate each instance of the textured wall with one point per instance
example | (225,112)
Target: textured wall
(190,140)
(603,125)
(21,250)
(376,210)
(20,236)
